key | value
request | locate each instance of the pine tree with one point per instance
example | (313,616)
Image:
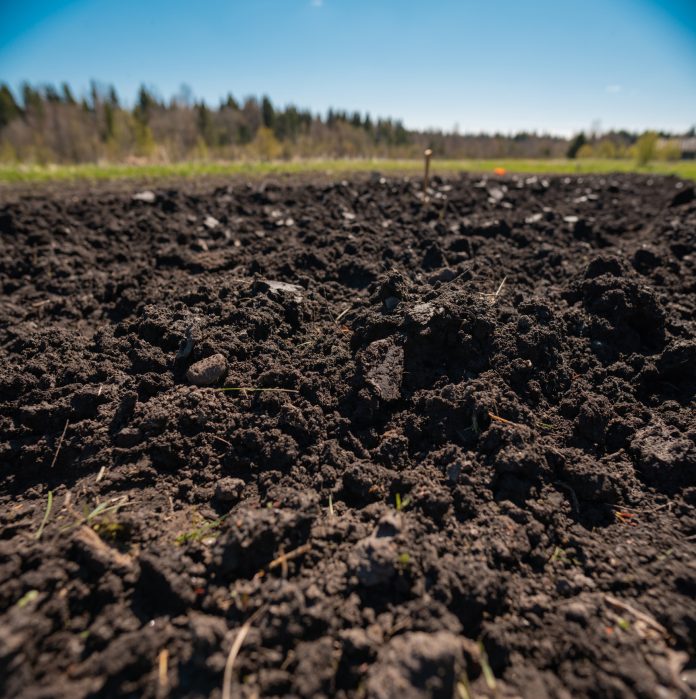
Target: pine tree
(575,145)
(9,109)
(267,113)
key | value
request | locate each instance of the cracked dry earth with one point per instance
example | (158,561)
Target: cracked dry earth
(462,465)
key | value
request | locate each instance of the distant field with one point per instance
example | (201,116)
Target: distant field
(52,173)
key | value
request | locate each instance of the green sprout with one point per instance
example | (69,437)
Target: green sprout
(47,514)
(402,504)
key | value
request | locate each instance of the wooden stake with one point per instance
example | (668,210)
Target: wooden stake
(426,178)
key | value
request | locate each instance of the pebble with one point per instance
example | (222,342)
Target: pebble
(534,218)
(391,303)
(147,196)
(207,371)
(577,611)
(128,437)
(229,489)
(282,290)
(374,561)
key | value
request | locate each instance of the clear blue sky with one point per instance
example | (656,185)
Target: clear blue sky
(507,65)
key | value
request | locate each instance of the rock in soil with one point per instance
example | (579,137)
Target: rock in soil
(207,371)
(461,420)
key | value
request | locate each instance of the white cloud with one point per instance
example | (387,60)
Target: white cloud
(613,89)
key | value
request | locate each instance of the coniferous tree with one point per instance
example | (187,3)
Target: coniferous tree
(9,109)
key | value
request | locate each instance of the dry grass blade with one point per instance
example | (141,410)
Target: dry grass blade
(463,689)
(342,313)
(488,675)
(234,652)
(60,444)
(500,288)
(493,297)
(163,671)
(639,616)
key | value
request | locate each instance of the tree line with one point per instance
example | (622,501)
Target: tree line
(49,124)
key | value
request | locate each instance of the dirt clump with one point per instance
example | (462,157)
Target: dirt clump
(455,457)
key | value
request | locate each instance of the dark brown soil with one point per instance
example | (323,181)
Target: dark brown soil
(469,471)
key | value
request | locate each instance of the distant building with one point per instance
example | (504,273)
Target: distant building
(688,148)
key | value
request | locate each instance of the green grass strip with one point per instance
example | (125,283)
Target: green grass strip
(25,173)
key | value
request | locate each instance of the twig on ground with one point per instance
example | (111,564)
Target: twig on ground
(628,518)
(427,154)
(497,418)
(285,557)
(60,443)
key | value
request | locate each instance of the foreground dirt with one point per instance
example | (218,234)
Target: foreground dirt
(463,465)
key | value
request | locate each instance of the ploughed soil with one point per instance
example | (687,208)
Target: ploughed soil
(457,460)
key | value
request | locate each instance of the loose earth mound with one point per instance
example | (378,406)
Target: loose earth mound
(455,457)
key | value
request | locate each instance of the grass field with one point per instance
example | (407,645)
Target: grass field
(52,173)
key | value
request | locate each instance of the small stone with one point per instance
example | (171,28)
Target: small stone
(582,582)
(210,222)
(496,194)
(538,603)
(383,364)
(417,665)
(390,303)
(207,371)
(577,611)
(421,313)
(446,274)
(281,290)
(373,560)
(128,437)
(147,197)
(229,489)
(284,287)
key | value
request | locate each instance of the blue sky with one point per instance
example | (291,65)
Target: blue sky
(493,65)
